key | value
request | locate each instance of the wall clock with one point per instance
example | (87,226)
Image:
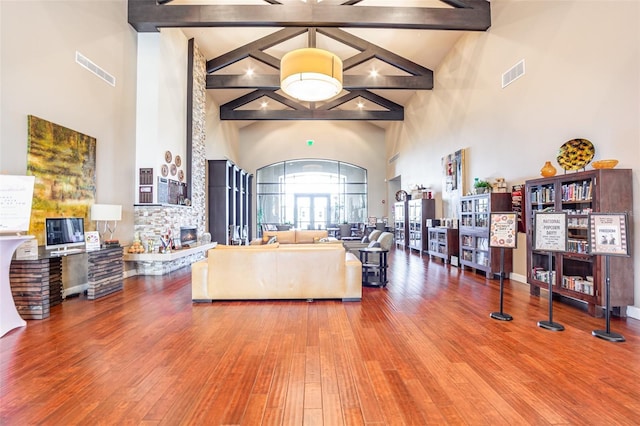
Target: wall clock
(401,195)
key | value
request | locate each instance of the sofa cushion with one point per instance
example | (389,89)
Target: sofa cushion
(374,244)
(284,237)
(310,236)
(273,240)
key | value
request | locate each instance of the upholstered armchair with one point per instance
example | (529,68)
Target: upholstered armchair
(385,239)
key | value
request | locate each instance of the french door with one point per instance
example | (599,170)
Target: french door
(311,211)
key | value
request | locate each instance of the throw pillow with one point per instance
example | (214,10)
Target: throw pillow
(365,239)
(323,240)
(374,244)
(272,240)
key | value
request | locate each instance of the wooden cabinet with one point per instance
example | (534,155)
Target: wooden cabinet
(419,211)
(474,232)
(400,223)
(443,243)
(575,273)
(229,202)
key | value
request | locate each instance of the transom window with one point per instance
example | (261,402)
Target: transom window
(311,194)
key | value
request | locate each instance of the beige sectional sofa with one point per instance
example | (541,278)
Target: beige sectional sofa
(298,236)
(277,271)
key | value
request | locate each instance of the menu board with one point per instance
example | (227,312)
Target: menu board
(16,195)
(502,229)
(550,231)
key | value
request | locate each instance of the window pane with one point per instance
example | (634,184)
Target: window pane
(270,174)
(353,174)
(311,193)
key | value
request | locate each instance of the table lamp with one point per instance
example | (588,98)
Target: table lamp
(110,214)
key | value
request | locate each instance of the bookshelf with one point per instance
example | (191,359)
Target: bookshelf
(443,242)
(400,223)
(576,274)
(474,232)
(419,211)
(230,200)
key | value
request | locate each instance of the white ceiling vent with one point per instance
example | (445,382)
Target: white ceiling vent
(86,63)
(514,73)
(394,158)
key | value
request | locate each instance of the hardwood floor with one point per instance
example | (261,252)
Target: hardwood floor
(422,351)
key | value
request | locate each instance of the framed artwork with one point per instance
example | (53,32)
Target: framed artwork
(608,234)
(550,231)
(503,229)
(63,162)
(453,182)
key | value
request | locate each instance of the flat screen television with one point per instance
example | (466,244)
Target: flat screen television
(61,233)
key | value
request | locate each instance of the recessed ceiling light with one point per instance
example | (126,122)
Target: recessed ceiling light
(264,104)
(373,73)
(250,72)
(360,104)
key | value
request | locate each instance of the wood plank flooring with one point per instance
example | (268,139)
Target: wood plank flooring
(422,351)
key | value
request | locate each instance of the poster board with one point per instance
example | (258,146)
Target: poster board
(608,234)
(16,196)
(550,231)
(503,228)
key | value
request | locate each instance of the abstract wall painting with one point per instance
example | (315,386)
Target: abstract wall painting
(63,162)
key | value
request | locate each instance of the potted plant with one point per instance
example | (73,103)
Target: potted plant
(482,186)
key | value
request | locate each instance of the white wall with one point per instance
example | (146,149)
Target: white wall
(39,76)
(358,143)
(222,136)
(582,81)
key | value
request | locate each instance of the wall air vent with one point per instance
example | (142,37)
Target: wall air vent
(394,158)
(86,63)
(514,73)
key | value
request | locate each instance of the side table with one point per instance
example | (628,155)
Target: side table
(374,274)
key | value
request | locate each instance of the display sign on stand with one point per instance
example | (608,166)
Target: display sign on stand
(550,235)
(503,228)
(608,237)
(16,196)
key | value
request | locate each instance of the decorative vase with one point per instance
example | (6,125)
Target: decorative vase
(548,170)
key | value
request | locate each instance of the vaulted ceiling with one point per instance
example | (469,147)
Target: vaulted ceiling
(388,47)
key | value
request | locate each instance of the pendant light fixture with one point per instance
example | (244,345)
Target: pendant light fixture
(311,74)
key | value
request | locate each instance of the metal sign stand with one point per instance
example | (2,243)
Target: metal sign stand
(607,334)
(501,315)
(550,325)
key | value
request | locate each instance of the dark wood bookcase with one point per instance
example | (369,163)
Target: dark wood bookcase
(474,232)
(229,201)
(575,273)
(419,210)
(443,242)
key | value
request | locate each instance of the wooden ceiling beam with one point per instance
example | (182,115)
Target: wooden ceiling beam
(350,82)
(333,115)
(149,16)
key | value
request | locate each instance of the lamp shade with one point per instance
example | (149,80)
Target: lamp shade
(106,212)
(311,74)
